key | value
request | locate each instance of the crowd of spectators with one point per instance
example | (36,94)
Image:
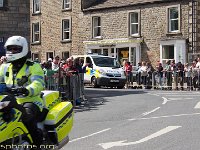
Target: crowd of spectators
(167,75)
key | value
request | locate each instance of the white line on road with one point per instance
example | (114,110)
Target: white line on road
(175,99)
(164,116)
(90,135)
(164,100)
(146,113)
(154,135)
(180,95)
(197,105)
(153,94)
(174,92)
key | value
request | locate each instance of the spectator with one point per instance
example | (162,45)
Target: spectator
(3,59)
(179,75)
(129,74)
(188,76)
(55,63)
(69,67)
(138,75)
(50,60)
(160,74)
(144,74)
(168,73)
(49,76)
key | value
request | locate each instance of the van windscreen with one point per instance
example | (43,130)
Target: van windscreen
(106,62)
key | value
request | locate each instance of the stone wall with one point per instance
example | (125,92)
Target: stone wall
(153,26)
(15,19)
(51,28)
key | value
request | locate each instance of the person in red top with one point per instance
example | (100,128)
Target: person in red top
(129,74)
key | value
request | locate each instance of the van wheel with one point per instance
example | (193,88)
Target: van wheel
(94,82)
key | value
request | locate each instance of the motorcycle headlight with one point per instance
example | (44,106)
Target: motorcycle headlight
(4,104)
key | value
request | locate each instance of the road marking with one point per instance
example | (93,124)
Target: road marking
(180,115)
(153,94)
(173,92)
(197,105)
(146,113)
(74,140)
(164,100)
(181,95)
(175,99)
(154,135)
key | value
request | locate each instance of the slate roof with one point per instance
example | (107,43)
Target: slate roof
(103,4)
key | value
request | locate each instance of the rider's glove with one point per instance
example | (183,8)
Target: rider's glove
(24,91)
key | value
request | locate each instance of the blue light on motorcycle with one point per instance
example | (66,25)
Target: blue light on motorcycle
(2,87)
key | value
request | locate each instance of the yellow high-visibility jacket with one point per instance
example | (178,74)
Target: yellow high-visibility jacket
(34,85)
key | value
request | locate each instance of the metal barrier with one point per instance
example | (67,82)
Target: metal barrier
(71,87)
(171,80)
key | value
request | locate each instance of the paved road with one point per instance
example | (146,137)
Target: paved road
(137,120)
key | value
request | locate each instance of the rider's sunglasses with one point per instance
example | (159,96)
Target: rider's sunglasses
(14,49)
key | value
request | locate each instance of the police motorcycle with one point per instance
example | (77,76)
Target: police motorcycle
(56,120)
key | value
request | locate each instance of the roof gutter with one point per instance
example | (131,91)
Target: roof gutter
(128,5)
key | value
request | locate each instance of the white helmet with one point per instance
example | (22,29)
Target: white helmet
(16,48)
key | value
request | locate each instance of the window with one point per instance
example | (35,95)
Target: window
(36,6)
(96,21)
(35,55)
(66,29)
(105,52)
(65,55)
(36,32)
(96,51)
(134,23)
(1,3)
(167,53)
(173,19)
(66,4)
(49,55)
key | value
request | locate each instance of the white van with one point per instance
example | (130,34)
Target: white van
(103,71)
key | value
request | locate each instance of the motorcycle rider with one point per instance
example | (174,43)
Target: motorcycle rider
(19,66)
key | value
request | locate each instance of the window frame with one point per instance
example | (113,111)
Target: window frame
(34,7)
(169,20)
(69,3)
(48,53)
(64,53)
(95,27)
(62,30)
(130,24)
(36,32)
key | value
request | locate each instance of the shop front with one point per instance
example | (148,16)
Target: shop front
(121,49)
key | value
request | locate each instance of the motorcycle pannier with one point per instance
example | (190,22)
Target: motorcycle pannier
(59,121)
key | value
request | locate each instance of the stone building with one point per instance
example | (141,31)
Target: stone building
(148,30)
(14,20)
(54,28)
